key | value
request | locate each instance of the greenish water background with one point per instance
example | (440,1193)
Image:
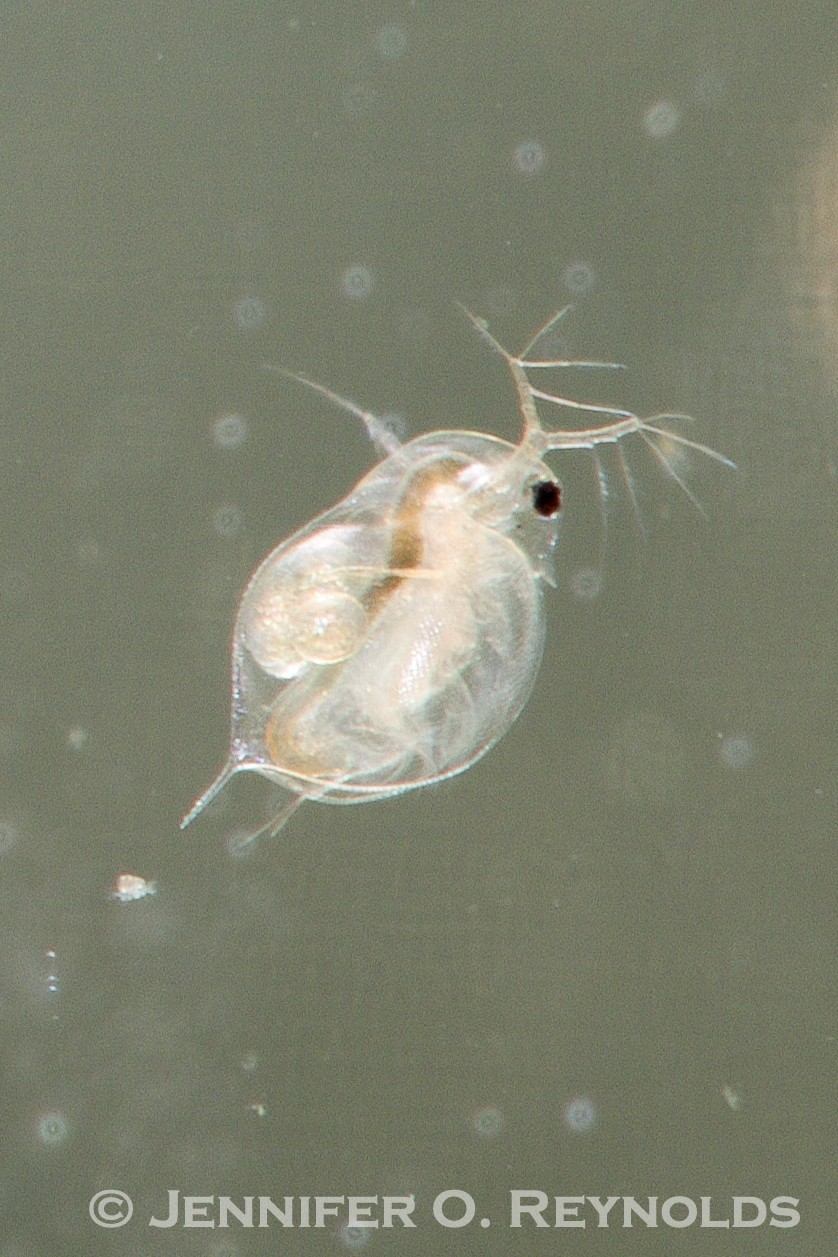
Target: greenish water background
(631,900)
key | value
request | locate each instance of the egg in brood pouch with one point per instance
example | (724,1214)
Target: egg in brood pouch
(392,641)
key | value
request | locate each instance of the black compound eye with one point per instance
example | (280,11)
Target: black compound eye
(546,498)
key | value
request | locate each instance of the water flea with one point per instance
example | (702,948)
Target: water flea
(340,693)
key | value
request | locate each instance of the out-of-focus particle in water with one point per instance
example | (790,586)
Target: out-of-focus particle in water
(645,763)
(9,835)
(227,520)
(77,738)
(391,41)
(579,278)
(222,1248)
(529,158)
(357,282)
(251,236)
(709,87)
(249,1062)
(87,552)
(487,1122)
(580,1115)
(358,99)
(250,313)
(732,1098)
(229,431)
(257,1108)
(736,750)
(414,327)
(129,887)
(51,956)
(502,302)
(15,586)
(586,584)
(661,119)
(806,250)
(354,1237)
(52,1129)
(225,1247)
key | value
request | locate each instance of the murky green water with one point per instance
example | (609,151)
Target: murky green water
(598,964)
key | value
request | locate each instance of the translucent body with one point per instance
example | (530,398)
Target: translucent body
(389,643)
